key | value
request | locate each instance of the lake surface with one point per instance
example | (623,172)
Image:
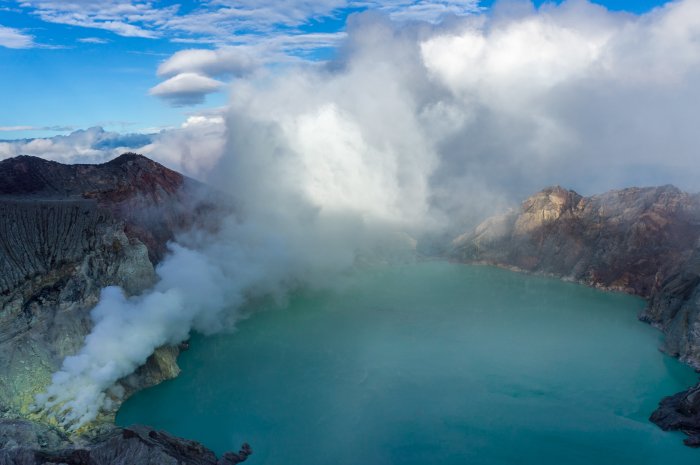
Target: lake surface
(430,363)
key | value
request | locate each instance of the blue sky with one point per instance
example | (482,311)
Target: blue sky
(67,65)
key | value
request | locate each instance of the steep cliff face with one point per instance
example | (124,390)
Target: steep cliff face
(641,241)
(675,308)
(55,257)
(67,231)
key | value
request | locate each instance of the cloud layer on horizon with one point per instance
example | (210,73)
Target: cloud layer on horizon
(192,148)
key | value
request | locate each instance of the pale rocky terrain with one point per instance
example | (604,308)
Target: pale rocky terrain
(643,241)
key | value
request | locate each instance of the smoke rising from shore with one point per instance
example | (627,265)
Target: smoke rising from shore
(411,129)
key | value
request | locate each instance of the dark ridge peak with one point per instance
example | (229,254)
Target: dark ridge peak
(29,159)
(137,163)
(667,199)
(122,159)
(669,187)
(552,197)
(24,157)
(113,181)
(130,157)
(557,189)
(635,190)
(26,175)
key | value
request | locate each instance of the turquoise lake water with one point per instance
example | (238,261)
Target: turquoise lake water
(430,363)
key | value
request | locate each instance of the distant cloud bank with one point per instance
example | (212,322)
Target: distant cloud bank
(192,148)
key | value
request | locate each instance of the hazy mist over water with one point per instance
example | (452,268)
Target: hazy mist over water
(430,363)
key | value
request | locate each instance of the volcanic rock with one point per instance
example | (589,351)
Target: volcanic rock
(66,232)
(121,446)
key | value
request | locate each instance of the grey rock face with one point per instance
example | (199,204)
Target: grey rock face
(122,446)
(640,241)
(28,434)
(626,240)
(675,308)
(55,257)
(66,232)
(681,412)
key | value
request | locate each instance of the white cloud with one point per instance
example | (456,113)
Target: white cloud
(186,88)
(124,18)
(274,45)
(254,52)
(192,149)
(227,60)
(93,40)
(516,60)
(14,38)
(429,11)
(226,22)
(36,128)
(93,145)
(663,46)
(17,128)
(220,20)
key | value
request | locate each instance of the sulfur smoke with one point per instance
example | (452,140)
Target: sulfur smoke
(414,128)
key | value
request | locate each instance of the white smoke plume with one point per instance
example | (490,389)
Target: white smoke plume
(412,128)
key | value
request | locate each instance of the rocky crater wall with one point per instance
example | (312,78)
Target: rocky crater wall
(66,232)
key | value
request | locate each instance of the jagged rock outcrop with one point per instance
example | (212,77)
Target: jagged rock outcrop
(67,231)
(120,446)
(643,241)
(626,240)
(675,308)
(681,412)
